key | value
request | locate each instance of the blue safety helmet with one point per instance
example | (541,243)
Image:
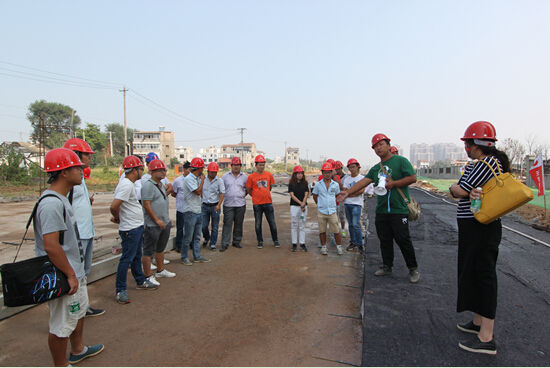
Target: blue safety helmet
(151,156)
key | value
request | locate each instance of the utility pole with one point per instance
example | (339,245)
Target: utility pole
(126,152)
(242,142)
(111,142)
(73,131)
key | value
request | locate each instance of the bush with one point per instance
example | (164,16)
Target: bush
(12,169)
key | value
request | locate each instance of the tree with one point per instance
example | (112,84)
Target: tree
(12,168)
(514,150)
(57,120)
(118,137)
(95,138)
(531,143)
(173,162)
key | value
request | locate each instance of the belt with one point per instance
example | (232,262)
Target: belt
(210,204)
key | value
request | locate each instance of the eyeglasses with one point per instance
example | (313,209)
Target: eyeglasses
(79,168)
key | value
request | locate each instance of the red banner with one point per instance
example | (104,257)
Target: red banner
(537,173)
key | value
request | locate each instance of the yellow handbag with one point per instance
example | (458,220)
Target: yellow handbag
(502,194)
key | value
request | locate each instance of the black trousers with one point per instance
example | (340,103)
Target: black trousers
(477,260)
(395,226)
(233,218)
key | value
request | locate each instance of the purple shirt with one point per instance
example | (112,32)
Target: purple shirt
(235,189)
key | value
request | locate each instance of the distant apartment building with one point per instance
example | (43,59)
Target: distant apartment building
(184,154)
(161,142)
(421,152)
(246,151)
(448,152)
(292,156)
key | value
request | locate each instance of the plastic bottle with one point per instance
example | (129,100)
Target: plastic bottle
(74,306)
(475,206)
(301,216)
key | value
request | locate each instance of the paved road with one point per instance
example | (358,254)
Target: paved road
(415,324)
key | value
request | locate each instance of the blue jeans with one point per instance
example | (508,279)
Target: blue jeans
(180,223)
(132,241)
(353,215)
(260,209)
(208,212)
(192,237)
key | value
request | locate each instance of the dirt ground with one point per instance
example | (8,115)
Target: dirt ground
(248,307)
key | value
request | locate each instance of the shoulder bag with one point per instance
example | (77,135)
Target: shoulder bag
(413,205)
(501,194)
(35,280)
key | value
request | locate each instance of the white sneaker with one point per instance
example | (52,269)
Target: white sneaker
(153,280)
(340,251)
(165,273)
(153,267)
(166,261)
(324,250)
(155,261)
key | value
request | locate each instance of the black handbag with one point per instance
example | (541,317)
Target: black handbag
(34,280)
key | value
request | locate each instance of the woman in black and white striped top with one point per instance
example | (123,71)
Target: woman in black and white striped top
(477,243)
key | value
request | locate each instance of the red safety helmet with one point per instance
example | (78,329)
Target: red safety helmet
(213,167)
(338,165)
(379,137)
(394,149)
(131,161)
(87,171)
(61,159)
(327,166)
(197,163)
(480,130)
(156,164)
(77,144)
(236,161)
(332,162)
(352,161)
(259,158)
(298,169)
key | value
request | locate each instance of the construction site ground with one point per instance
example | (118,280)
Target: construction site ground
(273,307)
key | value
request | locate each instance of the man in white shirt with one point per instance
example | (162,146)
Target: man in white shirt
(234,205)
(128,214)
(177,186)
(353,205)
(213,193)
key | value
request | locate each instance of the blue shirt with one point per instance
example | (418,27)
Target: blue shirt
(177,186)
(326,198)
(193,201)
(83,211)
(212,190)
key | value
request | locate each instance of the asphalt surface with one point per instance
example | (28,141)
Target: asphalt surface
(415,324)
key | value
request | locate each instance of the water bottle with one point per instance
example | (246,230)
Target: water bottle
(475,206)
(74,306)
(301,216)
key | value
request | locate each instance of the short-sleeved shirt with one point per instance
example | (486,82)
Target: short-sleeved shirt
(83,211)
(212,190)
(235,189)
(398,167)
(299,190)
(475,175)
(193,202)
(137,185)
(131,214)
(49,219)
(177,186)
(151,191)
(326,197)
(260,185)
(349,182)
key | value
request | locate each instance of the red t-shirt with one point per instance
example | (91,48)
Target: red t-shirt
(260,185)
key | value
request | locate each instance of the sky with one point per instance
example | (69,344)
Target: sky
(322,76)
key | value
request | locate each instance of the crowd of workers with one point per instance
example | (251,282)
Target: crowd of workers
(140,208)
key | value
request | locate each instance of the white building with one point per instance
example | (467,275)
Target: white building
(292,156)
(160,142)
(184,154)
(210,154)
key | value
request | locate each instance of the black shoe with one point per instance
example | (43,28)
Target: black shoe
(294,247)
(351,246)
(260,245)
(92,312)
(475,345)
(360,250)
(238,245)
(303,247)
(468,327)
(205,243)
(223,248)
(178,250)
(276,244)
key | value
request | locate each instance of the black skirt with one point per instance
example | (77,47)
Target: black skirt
(477,258)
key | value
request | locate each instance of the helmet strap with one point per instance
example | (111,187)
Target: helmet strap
(485,143)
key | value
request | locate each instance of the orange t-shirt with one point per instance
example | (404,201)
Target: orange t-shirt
(260,185)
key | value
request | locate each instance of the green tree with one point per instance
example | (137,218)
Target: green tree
(57,122)
(173,162)
(12,169)
(95,138)
(118,137)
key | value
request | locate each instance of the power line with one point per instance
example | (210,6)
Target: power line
(63,75)
(47,81)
